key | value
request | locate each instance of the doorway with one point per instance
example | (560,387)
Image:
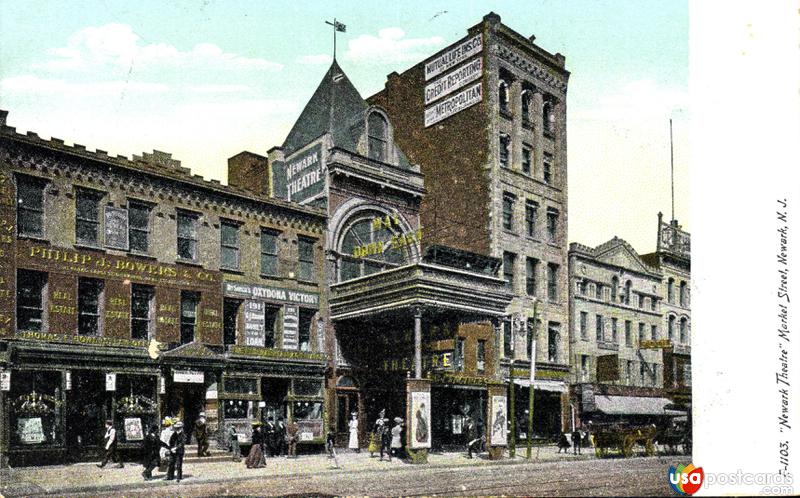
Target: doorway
(348,401)
(186,402)
(86,413)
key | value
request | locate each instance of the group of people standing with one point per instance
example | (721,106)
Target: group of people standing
(389,439)
(272,439)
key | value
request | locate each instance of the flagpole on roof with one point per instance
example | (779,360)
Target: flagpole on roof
(337,26)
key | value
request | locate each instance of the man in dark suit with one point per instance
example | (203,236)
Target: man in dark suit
(280,436)
(270,430)
(110,445)
(151,457)
(177,446)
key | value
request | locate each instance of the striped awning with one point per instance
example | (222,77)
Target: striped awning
(634,405)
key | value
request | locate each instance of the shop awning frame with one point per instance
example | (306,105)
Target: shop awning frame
(543,385)
(634,405)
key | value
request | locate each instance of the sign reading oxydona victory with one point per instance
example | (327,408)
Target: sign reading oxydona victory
(305,174)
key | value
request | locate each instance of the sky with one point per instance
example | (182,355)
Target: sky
(206,79)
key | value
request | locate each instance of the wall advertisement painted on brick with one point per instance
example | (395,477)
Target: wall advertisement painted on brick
(454,105)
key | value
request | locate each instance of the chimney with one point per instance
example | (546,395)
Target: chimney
(248,171)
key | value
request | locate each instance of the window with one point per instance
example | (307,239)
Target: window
(366,245)
(305,251)
(305,328)
(189,302)
(628,333)
(378,131)
(509,258)
(503,96)
(547,168)
(138,226)
(526,159)
(553,337)
(671,327)
(552,225)
(527,100)
(507,337)
(480,356)
(90,292)
(531,267)
(614,288)
(459,354)
(229,245)
(641,301)
(30,206)
(614,330)
(87,217)
(552,282)
(654,374)
(582,285)
(508,211)
(141,311)
(548,117)
(654,332)
(584,367)
(584,331)
(684,331)
(31,288)
(531,331)
(627,295)
(505,145)
(641,332)
(671,291)
(187,236)
(683,294)
(598,291)
(629,372)
(530,218)
(598,322)
(269,252)
(642,369)
(653,304)
(270,320)
(230,317)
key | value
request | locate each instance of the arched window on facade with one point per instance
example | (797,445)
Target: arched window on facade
(684,330)
(503,96)
(378,134)
(548,117)
(614,288)
(366,247)
(671,291)
(628,292)
(527,103)
(671,327)
(683,294)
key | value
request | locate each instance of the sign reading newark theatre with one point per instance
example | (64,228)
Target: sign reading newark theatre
(236,289)
(305,175)
(453,56)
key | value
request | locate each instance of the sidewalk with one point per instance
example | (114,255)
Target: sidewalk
(82,477)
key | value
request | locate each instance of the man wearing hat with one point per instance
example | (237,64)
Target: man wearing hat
(166,433)
(201,434)
(110,445)
(150,457)
(177,446)
(384,433)
(397,441)
(270,431)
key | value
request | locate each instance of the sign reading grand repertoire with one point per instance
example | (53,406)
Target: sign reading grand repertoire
(453,56)
(453,105)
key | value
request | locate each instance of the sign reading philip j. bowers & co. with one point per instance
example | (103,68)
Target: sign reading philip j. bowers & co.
(453,56)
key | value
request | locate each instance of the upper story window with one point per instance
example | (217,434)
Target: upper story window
(547,168)
(31,290)
(641,301)
(614,336)
(683,294)
(139,226)
(614,289)
(527,155)
(553,340)
(305,253)
(641,331)
(583,325)
(653,304)
(548,117)
(671,327)
(142,324)
(30,206)
(552,225)
(508,211)
(627,296)
(458,356)
(527,103)
(552,282)
(187,235)
(503,96)
(90,298)
(628,333)
(509,258)
(654,332)
(378,135)
(684,330)
(507,342)
(269,252)
(505,150)
(671,290)
(480,356)
(599,326)
(229,245)
(530,218)
(189,301)
(366,247)
(87,217)
(598,291)
(531,267)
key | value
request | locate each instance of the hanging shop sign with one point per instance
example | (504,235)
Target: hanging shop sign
(188,376)
(453,105)
(659,344)
(68,381)
(291,326)
(253,291)
(5,380)
(254,321)
(453,56)
(454,80)
(111,382)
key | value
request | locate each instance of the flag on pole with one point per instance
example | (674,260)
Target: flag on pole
(339,26)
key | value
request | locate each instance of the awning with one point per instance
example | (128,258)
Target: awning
(555,386)
(632,405)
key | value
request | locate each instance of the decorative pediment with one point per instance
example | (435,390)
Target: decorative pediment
(619,253)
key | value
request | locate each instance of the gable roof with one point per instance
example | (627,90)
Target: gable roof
(336,108)
(616,252)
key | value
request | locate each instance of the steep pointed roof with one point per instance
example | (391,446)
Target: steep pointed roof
(335,107)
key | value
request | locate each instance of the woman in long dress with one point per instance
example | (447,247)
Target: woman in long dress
(397,430)
(255,458)
(353,443)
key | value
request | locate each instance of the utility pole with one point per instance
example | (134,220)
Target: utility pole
(532,377)
(671,169)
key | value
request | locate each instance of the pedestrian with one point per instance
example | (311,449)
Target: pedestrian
(292,435)
(386,438)
(269,437)
(280,436)
(152,447)
(255,458)
(201,435)
(397,441)
(473,440)
(110,445)
(576,441)
(330,440)
(563,443)
(177,447)
(166,433)
(233,443)
(353,424)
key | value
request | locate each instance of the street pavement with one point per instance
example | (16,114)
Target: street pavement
(448,474)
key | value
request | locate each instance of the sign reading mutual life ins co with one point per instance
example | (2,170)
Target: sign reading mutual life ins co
(453,81)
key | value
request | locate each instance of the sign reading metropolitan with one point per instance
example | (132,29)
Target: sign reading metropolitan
(452,81)
(305,175)
(453,105)
(453,56)
(271,293)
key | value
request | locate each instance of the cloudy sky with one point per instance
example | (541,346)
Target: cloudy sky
(206,79)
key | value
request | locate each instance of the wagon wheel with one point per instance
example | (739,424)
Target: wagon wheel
(627,446)
(649,448)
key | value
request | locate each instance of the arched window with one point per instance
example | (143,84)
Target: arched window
(378,134)
(684,330)
(671,327)
(628,292)
(614,286)
(503,96)
(683,294)
(366,245)
(548,116)
(671,291)
(527,101)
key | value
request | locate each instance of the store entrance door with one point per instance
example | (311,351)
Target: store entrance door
(86,413)
(188,401)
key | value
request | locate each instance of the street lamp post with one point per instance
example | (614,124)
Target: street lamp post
(532,377)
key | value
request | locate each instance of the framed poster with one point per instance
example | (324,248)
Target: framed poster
(498,421)
(30,430)
(420,420)
(111,382)
(133,429)
(5,380)
(458,424)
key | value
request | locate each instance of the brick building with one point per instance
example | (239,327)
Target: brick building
(132,289)
(485,118)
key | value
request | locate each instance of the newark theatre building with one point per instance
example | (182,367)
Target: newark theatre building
(131,290)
